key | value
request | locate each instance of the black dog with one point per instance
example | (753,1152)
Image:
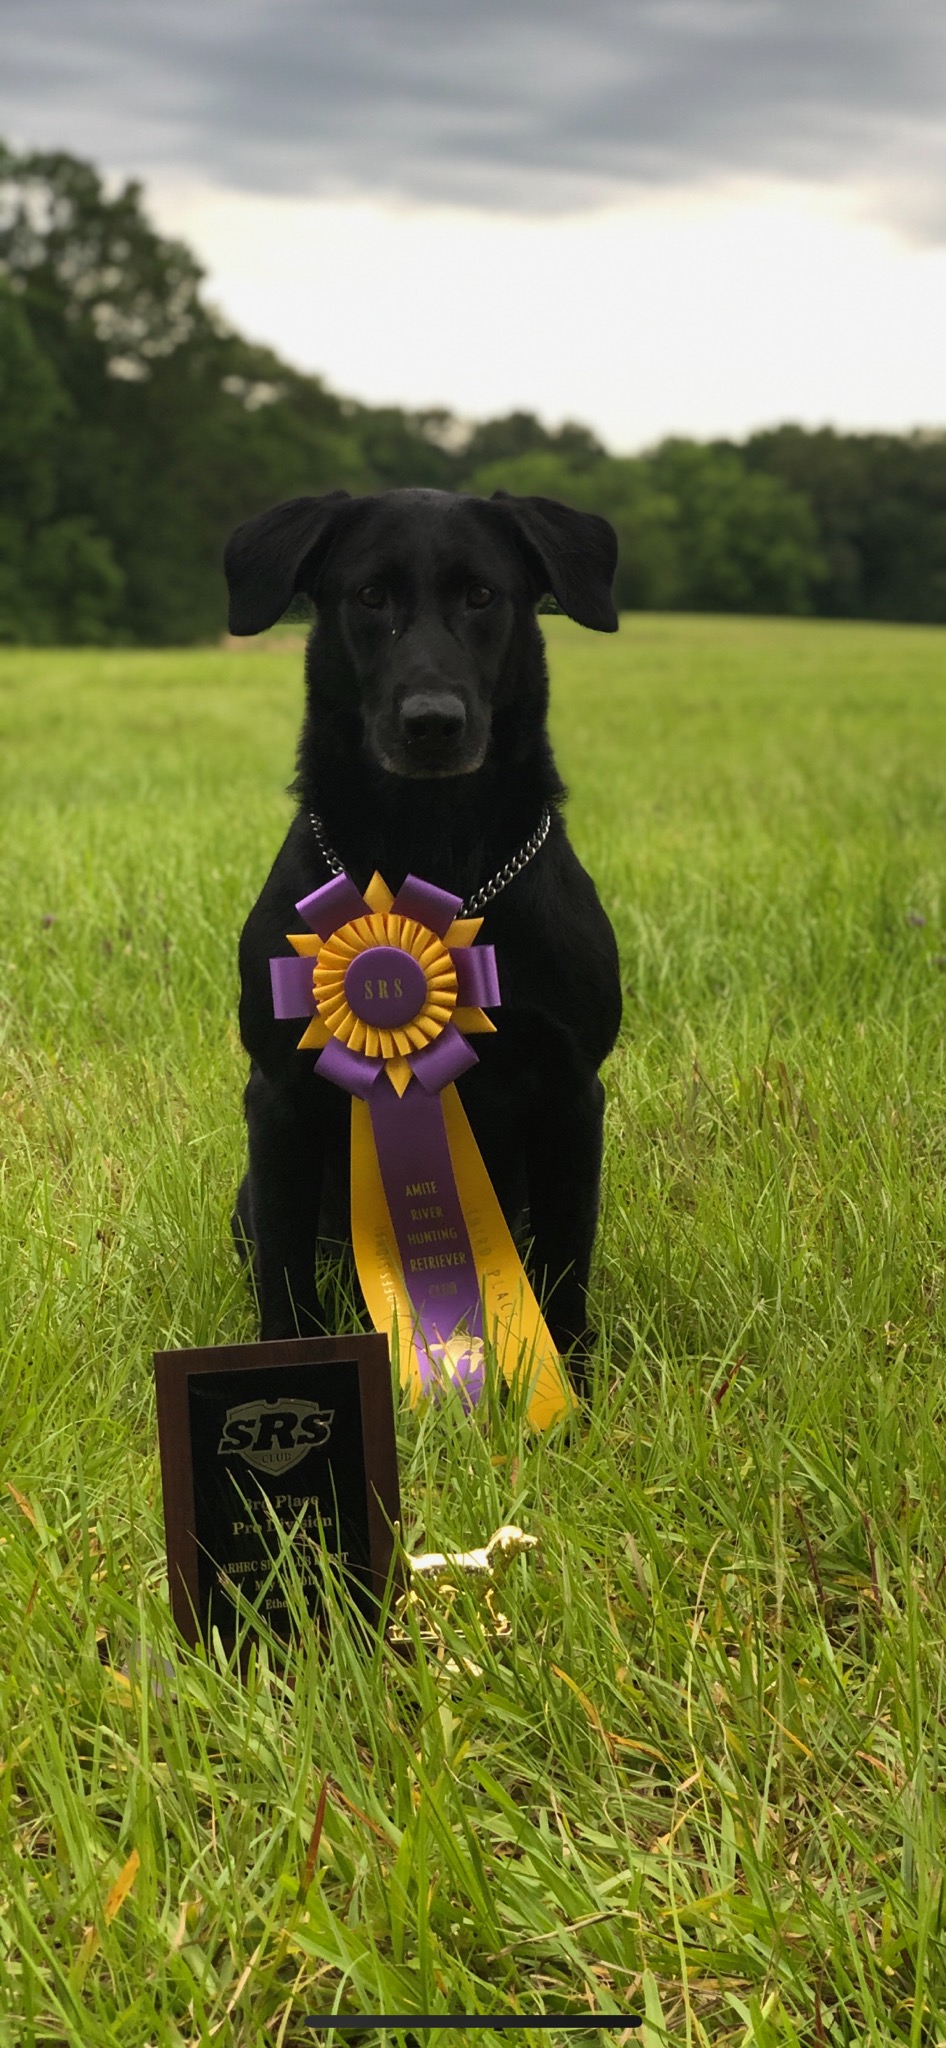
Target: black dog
(424,750)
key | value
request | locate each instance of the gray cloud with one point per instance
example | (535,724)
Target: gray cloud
(514,104)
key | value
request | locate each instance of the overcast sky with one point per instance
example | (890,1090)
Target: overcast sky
(653,215)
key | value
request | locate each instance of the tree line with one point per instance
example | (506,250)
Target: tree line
(137,428)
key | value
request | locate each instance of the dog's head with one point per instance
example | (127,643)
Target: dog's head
(419,597)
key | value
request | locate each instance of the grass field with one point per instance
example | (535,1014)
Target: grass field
(704,1782)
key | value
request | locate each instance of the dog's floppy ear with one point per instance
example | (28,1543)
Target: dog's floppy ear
(577,555)
(264,558)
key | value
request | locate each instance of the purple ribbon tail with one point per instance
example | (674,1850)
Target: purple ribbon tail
(477,979)
(431,1235)
(443,1060)
(349,1070)
(435,908)
(292,987)
(337,902)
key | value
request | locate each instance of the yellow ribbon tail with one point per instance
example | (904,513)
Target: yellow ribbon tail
(376,1254)
(512,1316)
(522,1336)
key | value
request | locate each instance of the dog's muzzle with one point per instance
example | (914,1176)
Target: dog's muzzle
(433,724)
(433,734)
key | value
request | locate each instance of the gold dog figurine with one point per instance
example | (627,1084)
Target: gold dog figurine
(442,1574)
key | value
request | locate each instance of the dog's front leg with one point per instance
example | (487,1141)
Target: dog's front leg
(282,1195)
(564,1169)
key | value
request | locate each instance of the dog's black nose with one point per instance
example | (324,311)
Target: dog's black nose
(432,719)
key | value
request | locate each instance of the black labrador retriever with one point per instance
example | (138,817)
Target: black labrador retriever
(425,750)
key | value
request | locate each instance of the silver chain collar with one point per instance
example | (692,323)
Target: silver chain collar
(480,897)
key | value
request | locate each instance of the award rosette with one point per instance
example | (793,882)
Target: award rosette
(393,989)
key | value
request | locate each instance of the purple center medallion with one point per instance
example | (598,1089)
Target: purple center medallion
(386,987)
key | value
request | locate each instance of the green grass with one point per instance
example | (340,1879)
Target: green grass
(703,1782)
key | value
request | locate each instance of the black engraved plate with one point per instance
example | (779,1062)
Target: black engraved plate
(300,1431)
(305,1452)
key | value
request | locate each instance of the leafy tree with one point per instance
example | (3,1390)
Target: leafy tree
(879,503)
(172,427)
(400,448)
(644,518)
(58,578)
(747,543)
(520,434)
(106,295)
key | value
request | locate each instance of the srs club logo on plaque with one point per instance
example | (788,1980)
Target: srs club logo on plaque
(275,1435)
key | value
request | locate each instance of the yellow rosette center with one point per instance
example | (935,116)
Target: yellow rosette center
(434,987)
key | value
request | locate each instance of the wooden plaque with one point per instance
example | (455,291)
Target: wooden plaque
(308,1422)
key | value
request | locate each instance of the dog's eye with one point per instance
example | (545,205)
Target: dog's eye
(371,594)
(479,596)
